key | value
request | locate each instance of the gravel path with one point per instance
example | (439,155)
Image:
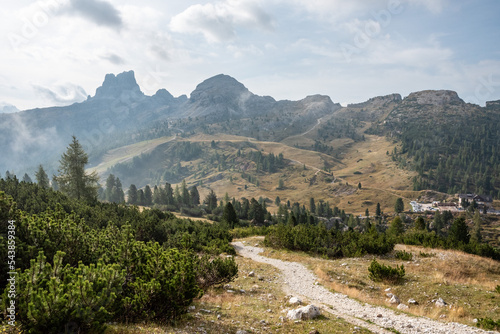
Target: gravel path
(300,281)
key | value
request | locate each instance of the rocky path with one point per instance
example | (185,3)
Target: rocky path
(300,281)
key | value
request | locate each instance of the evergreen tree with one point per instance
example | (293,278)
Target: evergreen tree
(72,178)
(8,175)
(169,194)
(312,205)
(378,211)
(229,215)
(132,194)
(459,233)
(141,199)
(148,195)
(42,178)
(476,231)
(281,184)
(118,194)
(55,185)
(277,201)
(438,222)
(419,223)
(194,196)
(110,184)
(396,228)
(211,201)
(399,206)
(186,199)
(156,195)
(256,212)
(359,185)
(27,178)
(367,213)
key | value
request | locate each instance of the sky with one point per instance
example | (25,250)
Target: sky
(57,52)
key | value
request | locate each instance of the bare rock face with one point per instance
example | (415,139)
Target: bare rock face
(304,313)
(434,97)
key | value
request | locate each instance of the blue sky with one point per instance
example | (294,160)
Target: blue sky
(56,52)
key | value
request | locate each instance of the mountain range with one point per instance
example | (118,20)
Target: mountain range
(120,114)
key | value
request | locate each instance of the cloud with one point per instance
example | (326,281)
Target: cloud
(113,58)
(63,94)
(218,21)
(100,12)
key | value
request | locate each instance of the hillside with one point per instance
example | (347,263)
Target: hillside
(393,146)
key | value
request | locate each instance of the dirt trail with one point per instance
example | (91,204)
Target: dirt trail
(300,281)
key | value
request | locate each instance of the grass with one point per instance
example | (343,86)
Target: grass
(466,282)
(257,310)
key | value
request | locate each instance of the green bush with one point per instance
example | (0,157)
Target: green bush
(53,298)
(488,323)
(403,255)
(497,289)
(380,272)
(423,254)
(210,272)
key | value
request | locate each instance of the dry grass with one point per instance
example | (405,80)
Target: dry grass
(466,282)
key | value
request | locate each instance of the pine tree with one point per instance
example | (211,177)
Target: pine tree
(459,233)
(118,194)
(378,211)
(312,205)
(185,199)
(229,215)
(195,196)
(211,200)
(476,231)
(72,178)
(110,184)
(55,185)
(396,228)
(132,194)
(27,178)
(42,178)
(399,206)
(148,195)
(419,223)
(169,194)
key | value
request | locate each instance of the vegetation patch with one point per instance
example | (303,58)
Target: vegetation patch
(381,272)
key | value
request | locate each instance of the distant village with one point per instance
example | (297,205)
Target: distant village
(481,202)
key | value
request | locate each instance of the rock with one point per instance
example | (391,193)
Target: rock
(412,301)
(261,278)
(192,307)
(475,320)
(394,300)
(295,301)
(251,274)
(379,315)
(306,312)
(442,316)
(269,310)
(440,303)
(256,245)
(242,291)
(389,295)
(314,332)
(402,307)
(218,316)
(387,290)
(240,331)
(262,322)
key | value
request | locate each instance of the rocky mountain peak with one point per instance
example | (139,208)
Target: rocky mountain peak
(434,97)
(119,86)
(220,87)
(378,101)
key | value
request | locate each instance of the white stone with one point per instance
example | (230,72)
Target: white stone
(251,274)
(440,302)
(394,300)
(295,301)
(306,312)
(402,307)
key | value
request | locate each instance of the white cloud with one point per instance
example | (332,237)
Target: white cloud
(218,21)
(63,94)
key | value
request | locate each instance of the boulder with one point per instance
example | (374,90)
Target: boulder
(251,274)
(441,303)
(304,313)
(412,301)
(394,300)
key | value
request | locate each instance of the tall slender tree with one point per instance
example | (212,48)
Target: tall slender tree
(72,178)
(42,178)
